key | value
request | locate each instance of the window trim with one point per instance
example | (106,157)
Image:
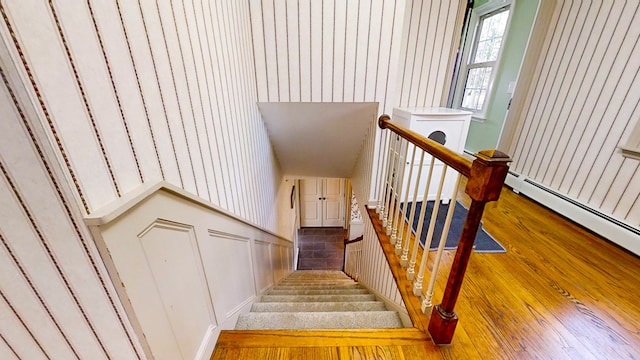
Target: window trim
(469,50)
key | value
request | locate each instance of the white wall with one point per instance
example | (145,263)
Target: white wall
(582,105)
(394,52)
(111,96)
(56,299)
(133,92)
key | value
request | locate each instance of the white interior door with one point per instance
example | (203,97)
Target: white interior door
(333,202)
(311,202)
(322,202)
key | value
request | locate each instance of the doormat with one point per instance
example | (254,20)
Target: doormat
(484,243)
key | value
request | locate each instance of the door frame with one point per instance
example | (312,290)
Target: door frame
(298,184)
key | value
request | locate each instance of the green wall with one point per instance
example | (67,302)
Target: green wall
(484,135)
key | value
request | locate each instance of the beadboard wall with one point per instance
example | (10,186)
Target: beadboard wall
(583,104)
(394,52)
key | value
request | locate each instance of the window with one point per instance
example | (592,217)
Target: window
(482,52)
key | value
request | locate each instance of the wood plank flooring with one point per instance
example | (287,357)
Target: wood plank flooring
(560,292)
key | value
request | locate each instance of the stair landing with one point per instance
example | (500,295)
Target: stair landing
(405,343)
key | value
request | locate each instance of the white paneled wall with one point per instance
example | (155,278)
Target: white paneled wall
(138,91)
(394,52)
(186,269)
(582,106)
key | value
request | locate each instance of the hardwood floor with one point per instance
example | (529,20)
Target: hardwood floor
(560,292)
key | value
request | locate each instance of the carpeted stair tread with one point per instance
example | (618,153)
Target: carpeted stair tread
(318,287)
(317,272)
(311,283)
(318,306)
(319,292)
(317,298)
(319,320)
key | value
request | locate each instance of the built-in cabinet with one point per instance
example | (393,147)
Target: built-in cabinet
(446,126)
(322,202)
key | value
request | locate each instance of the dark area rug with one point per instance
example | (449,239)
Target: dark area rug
(484,243)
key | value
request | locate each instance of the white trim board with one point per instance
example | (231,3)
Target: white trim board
(616,231)
(392,306)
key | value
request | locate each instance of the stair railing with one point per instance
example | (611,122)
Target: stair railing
(352,254)
(485,174)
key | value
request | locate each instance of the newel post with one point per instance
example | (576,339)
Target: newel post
(488,173)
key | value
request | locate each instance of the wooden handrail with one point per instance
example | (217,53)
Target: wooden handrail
(358,239)
(486,175)
(344,258)
(442,153)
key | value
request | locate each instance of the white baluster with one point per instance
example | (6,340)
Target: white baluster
(390,177)
(417,285)
(387,182)
(411,270)
(403,222)
(382,160)
(426,303)
(404,259)
(399,187)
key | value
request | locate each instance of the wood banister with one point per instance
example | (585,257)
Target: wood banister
(486,175)
(344,258)
(442,153)
(358,239)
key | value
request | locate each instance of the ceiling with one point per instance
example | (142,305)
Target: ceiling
(317,139)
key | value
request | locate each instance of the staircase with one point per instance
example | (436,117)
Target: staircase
(318,299)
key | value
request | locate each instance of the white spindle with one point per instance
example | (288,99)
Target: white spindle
(403,222)
(392,180)
(392,226)
(388,176)
(382,160)
(426,303)
(417,285)
(411,270)
(404,259)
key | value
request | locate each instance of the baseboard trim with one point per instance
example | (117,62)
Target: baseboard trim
(615,230)
(402,311)
(208,343)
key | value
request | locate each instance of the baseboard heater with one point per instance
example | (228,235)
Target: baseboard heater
(616,231)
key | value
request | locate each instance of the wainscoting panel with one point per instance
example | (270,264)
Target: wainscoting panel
(185,267)
(582,106)
(228,265)
(171,254)
(264,277)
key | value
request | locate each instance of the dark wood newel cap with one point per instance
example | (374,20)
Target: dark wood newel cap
(382,119)
(492,155)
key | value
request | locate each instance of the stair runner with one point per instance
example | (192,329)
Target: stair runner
(318,299)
